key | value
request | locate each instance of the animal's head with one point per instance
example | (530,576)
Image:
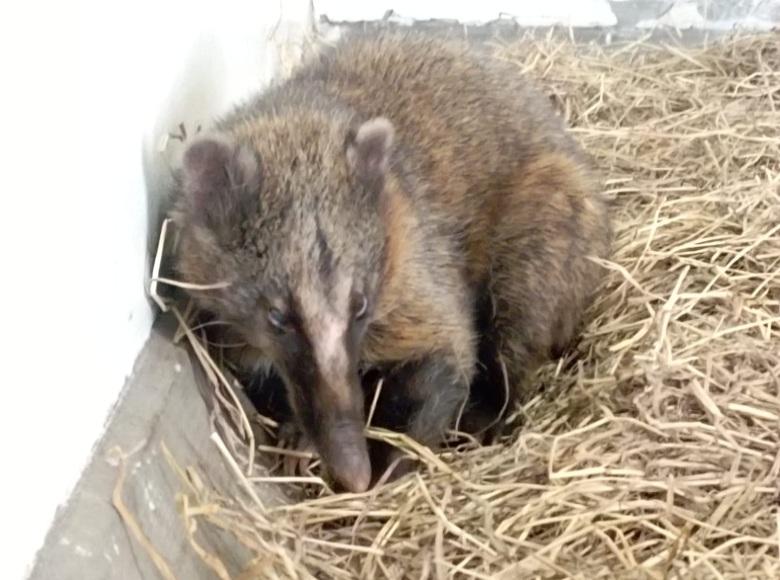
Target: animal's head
(289,216)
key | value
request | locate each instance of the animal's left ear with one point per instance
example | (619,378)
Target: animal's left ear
(368,150)
(220,182)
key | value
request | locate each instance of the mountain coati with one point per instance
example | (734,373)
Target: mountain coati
(403,205)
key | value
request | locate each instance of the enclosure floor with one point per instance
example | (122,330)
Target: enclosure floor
(160,407)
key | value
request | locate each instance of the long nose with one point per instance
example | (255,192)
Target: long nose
(339,434)
(337,398)
(344,450)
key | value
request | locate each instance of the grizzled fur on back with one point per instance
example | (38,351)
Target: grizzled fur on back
(402,204)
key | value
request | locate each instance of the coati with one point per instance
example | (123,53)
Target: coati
(399,203)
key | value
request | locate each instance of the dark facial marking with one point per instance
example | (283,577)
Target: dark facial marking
(326,257)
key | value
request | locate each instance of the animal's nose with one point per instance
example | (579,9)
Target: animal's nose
(345,452)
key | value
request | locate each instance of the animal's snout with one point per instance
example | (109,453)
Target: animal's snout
(345,452)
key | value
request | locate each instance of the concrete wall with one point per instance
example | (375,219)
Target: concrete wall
(91,96)
(698,14)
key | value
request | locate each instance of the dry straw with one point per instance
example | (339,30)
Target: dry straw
(653,451)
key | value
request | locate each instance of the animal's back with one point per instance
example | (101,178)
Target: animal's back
(467,124)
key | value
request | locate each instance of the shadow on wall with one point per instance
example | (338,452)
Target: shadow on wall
(197,96)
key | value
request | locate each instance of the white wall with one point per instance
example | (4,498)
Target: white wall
(92,94)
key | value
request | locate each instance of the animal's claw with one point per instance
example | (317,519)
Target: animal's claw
(292,438)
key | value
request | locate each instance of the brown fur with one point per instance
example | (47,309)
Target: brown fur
(483,199)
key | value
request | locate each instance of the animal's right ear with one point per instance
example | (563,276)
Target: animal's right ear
(369,148)
(220,181)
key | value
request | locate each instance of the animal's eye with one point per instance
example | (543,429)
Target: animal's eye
(277,319)
(361,306)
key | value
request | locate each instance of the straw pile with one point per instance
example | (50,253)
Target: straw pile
(651,452)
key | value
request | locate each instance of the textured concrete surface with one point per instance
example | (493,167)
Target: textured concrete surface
(161,404)
(682,14)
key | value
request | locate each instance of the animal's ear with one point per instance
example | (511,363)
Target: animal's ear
(220,181)
(368,149)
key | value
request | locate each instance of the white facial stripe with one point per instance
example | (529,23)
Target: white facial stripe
(326,323)
(328,341)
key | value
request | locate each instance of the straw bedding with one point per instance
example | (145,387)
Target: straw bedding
(653,450)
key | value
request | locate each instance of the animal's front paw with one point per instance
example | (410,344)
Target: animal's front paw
(299,449)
